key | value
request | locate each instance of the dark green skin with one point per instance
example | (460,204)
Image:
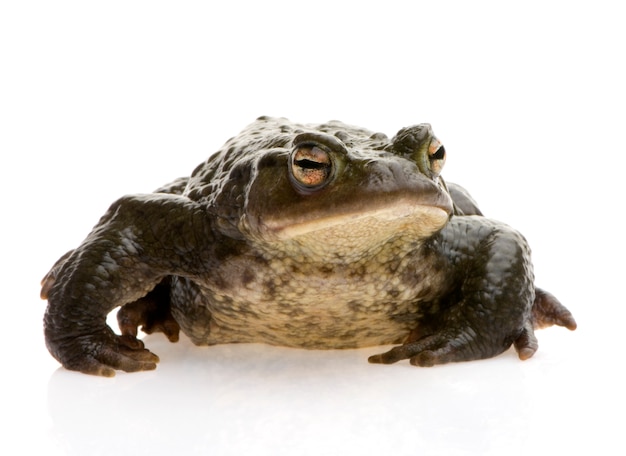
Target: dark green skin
(253,248)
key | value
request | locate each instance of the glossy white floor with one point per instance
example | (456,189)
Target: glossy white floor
(120,98)
(264,400)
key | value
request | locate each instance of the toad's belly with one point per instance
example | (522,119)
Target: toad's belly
(315,331)
(318,330)
(321,320)
(297,304)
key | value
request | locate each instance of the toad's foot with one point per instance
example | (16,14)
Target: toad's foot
(526,344)
(152,313)
(102,352)
(438,348)
(548,311)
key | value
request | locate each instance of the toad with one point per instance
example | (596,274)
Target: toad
(323,236)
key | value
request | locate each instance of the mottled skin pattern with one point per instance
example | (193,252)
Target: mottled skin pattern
(315,236)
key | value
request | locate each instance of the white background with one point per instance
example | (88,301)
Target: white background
(100,99)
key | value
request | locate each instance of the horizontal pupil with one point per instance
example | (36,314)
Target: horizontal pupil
(310,164)
(441,152)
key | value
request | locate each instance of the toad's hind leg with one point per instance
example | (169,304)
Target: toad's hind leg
(548,311)
(152,313)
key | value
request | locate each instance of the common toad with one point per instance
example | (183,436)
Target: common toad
(316,236)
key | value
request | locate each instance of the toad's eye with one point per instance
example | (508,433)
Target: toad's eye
(436,156)
(311,167)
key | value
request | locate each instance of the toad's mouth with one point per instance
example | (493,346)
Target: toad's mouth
(421,221)
(349,235)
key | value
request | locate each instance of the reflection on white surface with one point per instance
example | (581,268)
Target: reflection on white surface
(258,399)
(248,397)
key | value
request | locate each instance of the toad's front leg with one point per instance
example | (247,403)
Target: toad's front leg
(140,240)
(488,305)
